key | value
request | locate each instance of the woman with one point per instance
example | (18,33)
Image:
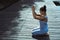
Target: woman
(42,20)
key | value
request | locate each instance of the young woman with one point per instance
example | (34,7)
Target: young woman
(42,20)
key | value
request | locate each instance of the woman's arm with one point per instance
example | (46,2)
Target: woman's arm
(38,16)
(42,18)
(34,13)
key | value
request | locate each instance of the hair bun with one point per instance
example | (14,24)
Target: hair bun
(44,6)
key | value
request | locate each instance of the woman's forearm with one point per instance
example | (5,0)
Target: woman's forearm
(33,11)
(34,14)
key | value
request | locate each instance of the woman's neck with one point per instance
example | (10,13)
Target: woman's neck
(43,14)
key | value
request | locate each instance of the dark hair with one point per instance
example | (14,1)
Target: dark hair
(43,8)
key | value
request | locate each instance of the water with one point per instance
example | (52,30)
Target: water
(25,22)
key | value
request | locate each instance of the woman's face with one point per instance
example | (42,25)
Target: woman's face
(42,12)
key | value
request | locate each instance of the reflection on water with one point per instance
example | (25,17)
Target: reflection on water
(9,22)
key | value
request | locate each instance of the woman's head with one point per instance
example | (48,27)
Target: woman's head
(43,10)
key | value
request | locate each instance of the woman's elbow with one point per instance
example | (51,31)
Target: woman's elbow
(35,18)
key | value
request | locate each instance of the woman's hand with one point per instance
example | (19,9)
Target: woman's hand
(33,8)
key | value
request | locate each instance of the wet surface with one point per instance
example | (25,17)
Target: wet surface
(17,23)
